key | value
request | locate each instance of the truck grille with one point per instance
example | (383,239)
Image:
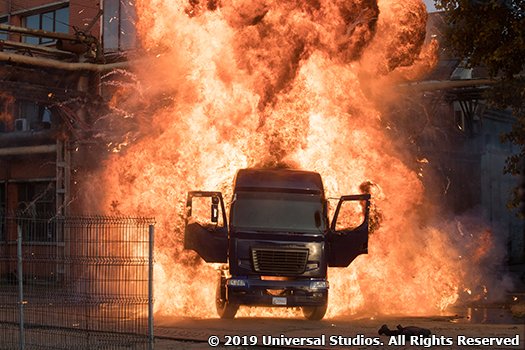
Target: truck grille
(279,261)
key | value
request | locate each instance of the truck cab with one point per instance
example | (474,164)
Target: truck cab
(277,242)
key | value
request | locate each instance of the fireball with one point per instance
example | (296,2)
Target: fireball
(240,83)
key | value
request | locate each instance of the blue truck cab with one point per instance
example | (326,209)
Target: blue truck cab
(277,243)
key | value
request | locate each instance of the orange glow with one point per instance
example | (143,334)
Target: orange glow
(251,83)
(5,114)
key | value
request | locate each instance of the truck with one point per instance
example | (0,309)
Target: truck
(275,246)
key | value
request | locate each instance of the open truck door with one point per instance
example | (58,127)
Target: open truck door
(348,235)
(206,228)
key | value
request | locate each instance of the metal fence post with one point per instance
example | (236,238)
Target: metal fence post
(151,338)
(21,340)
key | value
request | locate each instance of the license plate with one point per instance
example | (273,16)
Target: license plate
(278,301)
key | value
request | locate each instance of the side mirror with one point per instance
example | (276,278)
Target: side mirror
(214,209)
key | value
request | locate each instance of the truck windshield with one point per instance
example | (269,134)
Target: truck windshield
(277,211)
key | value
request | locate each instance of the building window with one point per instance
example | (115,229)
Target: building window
(33,116)
(51,21)
(36,203)
(3,35)
(119,25)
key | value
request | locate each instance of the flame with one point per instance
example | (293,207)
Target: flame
(239,83)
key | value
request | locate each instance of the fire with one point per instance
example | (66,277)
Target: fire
(251,83)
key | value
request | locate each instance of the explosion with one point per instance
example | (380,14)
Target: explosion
(242,83)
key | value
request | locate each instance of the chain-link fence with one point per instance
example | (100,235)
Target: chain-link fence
(76,283)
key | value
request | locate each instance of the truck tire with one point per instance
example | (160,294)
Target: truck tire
(314,313)
(225,309)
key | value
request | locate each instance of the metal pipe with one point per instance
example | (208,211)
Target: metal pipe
(50,63)
(37,32)
(21,340)
(32,179)
(429,85)
(151,338)
(39,48)
(12,151)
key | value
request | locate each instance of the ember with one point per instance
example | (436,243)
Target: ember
(263,83)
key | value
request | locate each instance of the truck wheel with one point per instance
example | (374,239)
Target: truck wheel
(314,313)
(225,309)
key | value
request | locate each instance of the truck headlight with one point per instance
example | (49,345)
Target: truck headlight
(236,283)
(319,284)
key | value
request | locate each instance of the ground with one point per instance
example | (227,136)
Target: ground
(495,320)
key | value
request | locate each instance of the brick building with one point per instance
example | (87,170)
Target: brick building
(50,92)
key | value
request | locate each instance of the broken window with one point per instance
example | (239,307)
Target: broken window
(119,25)
(52,21)
(36,205)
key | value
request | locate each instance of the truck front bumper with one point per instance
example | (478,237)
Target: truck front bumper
(256,292)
